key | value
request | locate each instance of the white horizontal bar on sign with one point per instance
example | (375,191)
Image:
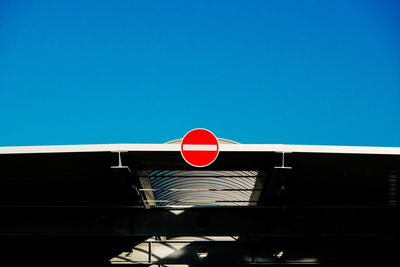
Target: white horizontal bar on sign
(199,147)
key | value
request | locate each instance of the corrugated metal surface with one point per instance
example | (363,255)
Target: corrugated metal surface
(202,188)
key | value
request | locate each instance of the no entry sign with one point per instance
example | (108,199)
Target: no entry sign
(199,147)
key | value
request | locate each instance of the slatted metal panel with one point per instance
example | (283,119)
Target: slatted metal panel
(202,187)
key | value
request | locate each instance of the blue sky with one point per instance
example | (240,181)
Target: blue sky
(288,72)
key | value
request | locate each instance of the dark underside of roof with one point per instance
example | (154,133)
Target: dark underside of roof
(89,179)
(91,201)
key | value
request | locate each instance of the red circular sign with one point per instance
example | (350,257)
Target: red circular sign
(199,147)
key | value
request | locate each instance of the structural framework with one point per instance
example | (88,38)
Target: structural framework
(143,204)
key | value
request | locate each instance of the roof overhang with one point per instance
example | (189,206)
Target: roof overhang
(223,148)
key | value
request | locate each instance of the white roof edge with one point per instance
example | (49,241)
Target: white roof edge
(313,149)
(223,148)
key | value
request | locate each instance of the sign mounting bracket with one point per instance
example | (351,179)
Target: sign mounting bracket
(283,162)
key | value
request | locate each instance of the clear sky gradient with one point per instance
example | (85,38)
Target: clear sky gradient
(285,72)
